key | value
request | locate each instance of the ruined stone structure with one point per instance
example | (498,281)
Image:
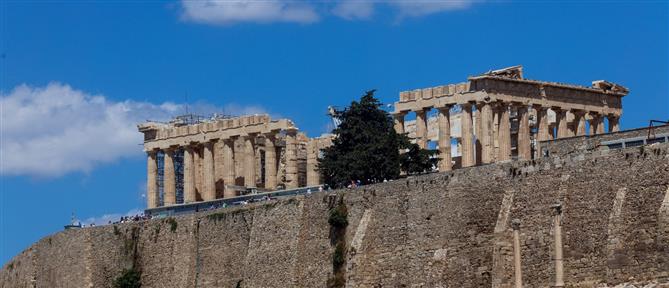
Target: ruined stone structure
(503,115)
(220,157)
(483,226)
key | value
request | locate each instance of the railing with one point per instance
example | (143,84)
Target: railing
(188,208)
(636,141)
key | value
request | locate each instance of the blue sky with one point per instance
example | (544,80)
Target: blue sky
(76,76)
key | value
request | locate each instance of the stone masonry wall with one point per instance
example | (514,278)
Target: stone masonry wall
(579,144)
(437,230)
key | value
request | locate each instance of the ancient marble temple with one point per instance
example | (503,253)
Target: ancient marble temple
(496,116)
(500,115)
(193,159)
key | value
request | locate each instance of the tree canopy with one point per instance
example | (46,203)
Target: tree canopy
(366,147)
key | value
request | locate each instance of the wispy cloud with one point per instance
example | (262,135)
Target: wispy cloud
(354,10)
(417,8)
(225,12)
(232,11)
(54,130)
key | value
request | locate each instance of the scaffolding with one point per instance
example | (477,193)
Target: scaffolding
(179,174)
(178,160)
(160,164)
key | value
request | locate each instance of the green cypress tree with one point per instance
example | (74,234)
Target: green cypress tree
(366,146)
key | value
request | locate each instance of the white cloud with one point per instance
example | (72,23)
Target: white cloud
(354,9)
(223,12)
(231,11)
(54,130)
(416,8)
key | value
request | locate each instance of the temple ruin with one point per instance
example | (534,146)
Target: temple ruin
(496,116)
(500,115)
(192,159)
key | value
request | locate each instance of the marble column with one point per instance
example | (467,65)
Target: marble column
(571,126)
(614,123)
(421,128)
(198,153)
(557,232)
(600,124)
(580,122)
(542,123)
(189,176)
(486,137)
(561,121)
(478,134)
(515,225)
(229,168)
(399,122)
(169,179)
(468,158)
(270,162)
(504,133)
(313,176)
(208,185)
(151,180)
(249,161)
(291,160)
(495,132)
(524,141)
(444,120)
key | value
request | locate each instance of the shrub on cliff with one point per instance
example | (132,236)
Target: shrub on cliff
(338,218)
(130,278)
(366,147)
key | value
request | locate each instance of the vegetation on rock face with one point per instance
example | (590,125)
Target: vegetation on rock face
(173,224)
(338,217)
(366,147)
(130,278)
(338,220)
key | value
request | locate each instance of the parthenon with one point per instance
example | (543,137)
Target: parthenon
(496,116)
(502,115)
(193,159)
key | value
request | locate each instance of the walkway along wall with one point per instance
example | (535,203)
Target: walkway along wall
(439,230)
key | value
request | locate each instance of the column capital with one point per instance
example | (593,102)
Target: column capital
(484,101)
(446,107)
(518,104)
(499,105)
(421,109)
(539,107)
(171,149)
(579,112)
(593,114)
(271,134)
(228,140)
(291,132)
(400,113)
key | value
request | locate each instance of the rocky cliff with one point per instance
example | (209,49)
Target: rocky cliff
(438,230)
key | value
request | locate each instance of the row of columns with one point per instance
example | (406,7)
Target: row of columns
(208,174)
(493,124)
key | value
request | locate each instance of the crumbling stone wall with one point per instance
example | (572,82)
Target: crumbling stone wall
(438,230)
